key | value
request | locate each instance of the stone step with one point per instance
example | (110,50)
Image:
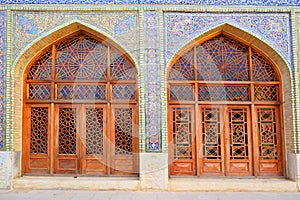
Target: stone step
(232,185)
(79,183)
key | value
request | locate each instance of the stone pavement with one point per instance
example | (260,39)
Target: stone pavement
(141,195)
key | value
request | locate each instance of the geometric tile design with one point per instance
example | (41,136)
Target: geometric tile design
(272,28)
(189,2)
(2,66)
(121,26)
(152,82)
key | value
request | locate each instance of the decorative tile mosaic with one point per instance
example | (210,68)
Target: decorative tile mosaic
(2,66)
(152,71)
(189,2)
(122,26)
(273,29)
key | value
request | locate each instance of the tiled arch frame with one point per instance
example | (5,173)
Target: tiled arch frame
(278,61)
(33,50)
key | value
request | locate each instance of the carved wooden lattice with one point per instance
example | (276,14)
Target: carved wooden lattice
(123,91)
(268,133)
(81,58)
(39,130)
(217,61)
(238,134)
(182,133)
(183,69)
(41,68)
(223,93)
(222,58)
(181,92)
(120,68)
(67,131)
(81,92)
(262,69)
(123,131)
(94,131)
(211,133)
(39,91)
(266,93)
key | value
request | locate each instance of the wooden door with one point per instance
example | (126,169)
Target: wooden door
(211,140)
(94,139)
(225,140)
(123,140)
(182,143)
(67,140)
(36,141)
(268,141)
(238,141)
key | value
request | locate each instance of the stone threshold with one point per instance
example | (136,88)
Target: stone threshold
(232,184)
(79,183)
(180,184)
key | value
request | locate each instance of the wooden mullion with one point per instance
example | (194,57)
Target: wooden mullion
(225,102)
(182,82)
(53,75)
(181,102)
(267,83)
(38,81)
(250,144)
(110,129)
(250,64)
(82,81)
(123,81)
(52,138)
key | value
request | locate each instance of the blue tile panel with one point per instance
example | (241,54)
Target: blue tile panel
(180,2)
(271,28)
(152,82)
(2,66)
(119,26)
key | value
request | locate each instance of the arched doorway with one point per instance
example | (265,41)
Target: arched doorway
(80,110)
(224,110)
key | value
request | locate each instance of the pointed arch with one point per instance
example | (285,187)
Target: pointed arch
(97,92)
(36,47)
(249,38)
(183,79)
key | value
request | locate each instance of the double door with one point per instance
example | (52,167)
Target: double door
(224,140)
(80,139)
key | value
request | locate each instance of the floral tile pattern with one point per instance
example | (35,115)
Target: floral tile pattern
(2,66)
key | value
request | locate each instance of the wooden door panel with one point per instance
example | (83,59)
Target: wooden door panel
(36,148)
(124,140)
(238,167)
(67,140)
(211,141)
(68,163)
(123,165)
(93,136)
(181,140)
(268,141)
(238,141)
